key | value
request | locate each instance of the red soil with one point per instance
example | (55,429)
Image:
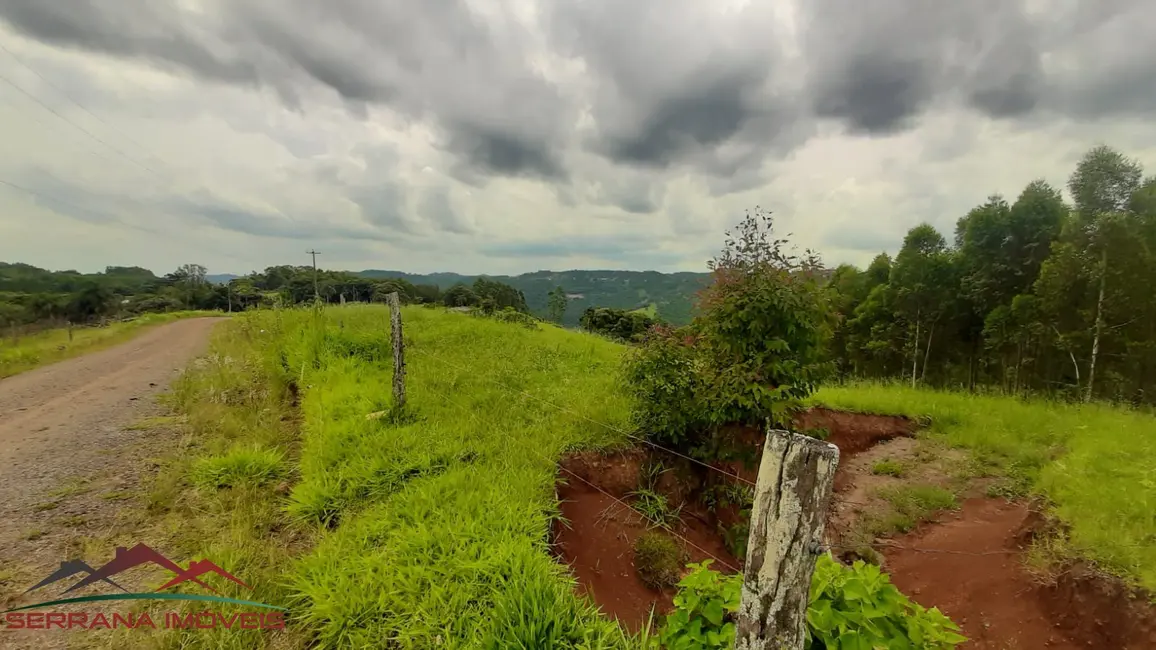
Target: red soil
(990,595)
(854,432)
(996,602)
(598,539)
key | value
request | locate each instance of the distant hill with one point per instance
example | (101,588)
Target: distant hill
(221,278)
(670,294)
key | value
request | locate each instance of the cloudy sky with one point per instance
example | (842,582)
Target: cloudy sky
(487,136)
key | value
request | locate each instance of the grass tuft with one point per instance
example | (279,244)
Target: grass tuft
(240,466)
(657,559)
(889,467)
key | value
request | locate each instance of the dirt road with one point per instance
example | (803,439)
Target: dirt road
(68,454)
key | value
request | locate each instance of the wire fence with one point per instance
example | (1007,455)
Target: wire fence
(632,436)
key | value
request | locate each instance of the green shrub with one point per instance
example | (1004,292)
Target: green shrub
(850,607)
(704,610)
(657,559)
(858,607)
(753,352)
(240,466)
(662,375)
(629,326)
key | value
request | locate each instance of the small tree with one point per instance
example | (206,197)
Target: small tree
(460,295)
(754,350)
(556,305)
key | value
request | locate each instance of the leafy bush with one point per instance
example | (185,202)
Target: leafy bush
(657,559)
(460,295)
(752,353)
(664,379)
(511,315)
(850,607)
(240,466)
(858,607)
(704,610)
(619,324)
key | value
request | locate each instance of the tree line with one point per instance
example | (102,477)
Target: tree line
(32,295)
(1037,295)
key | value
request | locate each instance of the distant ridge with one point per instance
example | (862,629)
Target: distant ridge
(672,294)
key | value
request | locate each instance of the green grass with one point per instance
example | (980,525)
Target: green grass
(239,466)
(889,467)
(650,309)
(53,345)
(428,529)
(1095,463)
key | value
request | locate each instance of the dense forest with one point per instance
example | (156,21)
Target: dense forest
(1033,295)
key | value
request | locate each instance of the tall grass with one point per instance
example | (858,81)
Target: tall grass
(49,346)
(1095,463)
(429,527)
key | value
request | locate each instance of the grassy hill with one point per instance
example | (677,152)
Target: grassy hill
(670,295)
(435,527)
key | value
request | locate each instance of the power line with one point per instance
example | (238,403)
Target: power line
(71,98)
(83,146)
(41,195)
(74,124)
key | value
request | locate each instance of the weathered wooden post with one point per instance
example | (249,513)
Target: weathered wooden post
(796,478)
(398,351)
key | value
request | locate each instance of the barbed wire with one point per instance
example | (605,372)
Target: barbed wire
(620,502)
(606,425)
(835,501)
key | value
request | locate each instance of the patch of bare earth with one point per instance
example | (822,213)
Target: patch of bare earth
(969,562)
(71,462)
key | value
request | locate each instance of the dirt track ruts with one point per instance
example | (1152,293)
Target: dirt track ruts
(66,447)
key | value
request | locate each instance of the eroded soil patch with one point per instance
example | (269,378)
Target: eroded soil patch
(977,577)
(598,536)
(597,541)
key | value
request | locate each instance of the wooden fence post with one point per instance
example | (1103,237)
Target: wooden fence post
(398,351)
(796,478)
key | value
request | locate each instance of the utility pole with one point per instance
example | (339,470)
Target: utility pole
(316,293)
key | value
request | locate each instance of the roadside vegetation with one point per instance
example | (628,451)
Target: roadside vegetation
(21,353)
(401,529)
(428,525)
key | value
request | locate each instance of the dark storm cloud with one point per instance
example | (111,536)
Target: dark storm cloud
(663,83)
(429,60)
(697,117)
(877,65)
(674,80)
